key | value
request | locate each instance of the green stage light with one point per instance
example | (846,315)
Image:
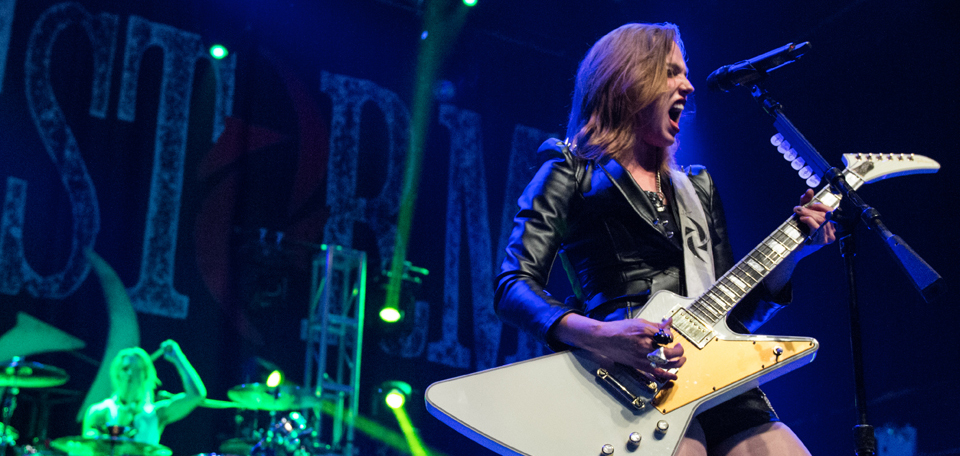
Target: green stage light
(469,2)
(395,393)
(395,399)
(274,379)
(395,309)
(218,52)
(391,314)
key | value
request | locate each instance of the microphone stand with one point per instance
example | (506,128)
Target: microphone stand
(927,282)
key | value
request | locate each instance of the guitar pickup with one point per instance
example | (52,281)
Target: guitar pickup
(691,327)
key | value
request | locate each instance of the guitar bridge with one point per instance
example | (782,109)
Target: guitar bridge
(633,399)
(691,327)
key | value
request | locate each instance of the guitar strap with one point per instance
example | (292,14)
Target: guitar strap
(697,249)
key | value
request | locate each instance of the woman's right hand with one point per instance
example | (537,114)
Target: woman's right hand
(627,342)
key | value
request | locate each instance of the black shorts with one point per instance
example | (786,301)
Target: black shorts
(736,415)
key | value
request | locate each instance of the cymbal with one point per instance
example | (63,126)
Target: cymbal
(30,374)
(107,446)
(258,396)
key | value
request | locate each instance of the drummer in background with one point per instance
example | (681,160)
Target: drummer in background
(133,407)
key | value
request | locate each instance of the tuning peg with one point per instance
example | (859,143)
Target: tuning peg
(776,139)
(784,147)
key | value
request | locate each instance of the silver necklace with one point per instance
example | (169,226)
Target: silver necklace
(661,200)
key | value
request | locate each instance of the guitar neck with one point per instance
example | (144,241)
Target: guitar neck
(712,306)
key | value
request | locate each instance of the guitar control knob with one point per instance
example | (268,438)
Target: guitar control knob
(777,352)
(606,449)
(662,427)
(633,439)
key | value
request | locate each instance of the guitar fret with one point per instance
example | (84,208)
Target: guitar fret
(723,298)
(782,239)
(708,307)
(737,282)
(749,261)
(776,246)
(793,233)
(726,291)
(731,289)
(709,299)
(706,315)
(717,301)
(788,239)
(696,311)
(769,256)
(749,276)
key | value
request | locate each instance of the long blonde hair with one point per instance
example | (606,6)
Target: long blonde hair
(150,381)
(624,72)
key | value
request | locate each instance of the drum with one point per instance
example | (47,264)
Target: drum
(289,436)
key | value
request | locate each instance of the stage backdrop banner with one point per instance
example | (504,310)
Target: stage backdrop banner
(208,185)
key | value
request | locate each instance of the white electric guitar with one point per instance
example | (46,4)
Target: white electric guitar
(574,403)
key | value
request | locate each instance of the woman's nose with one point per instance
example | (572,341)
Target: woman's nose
(686,87)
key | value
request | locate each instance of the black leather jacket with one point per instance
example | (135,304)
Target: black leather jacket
(597,218)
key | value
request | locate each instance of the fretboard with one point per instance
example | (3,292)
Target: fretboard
(712,306)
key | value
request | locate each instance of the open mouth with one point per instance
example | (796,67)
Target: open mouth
(675,111)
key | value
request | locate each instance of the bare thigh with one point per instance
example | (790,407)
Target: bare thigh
(767,439)
(694,442)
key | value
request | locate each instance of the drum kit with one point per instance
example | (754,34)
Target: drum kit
(287,433)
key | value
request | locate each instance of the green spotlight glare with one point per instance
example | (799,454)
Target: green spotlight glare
(390,314)
(469,2)
(395,399)
(218,52)
(274,379)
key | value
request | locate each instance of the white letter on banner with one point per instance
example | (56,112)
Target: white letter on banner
(61,146)
(467,216)
(154,292)
(349,95)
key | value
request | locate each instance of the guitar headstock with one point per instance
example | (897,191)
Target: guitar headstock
(860,168)
(869,168)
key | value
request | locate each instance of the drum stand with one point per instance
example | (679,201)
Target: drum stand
(8,402)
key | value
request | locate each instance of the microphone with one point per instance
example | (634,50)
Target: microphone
(741,73)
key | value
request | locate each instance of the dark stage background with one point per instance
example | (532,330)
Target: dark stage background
(117,135)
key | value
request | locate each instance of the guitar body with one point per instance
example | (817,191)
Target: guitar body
(557,404)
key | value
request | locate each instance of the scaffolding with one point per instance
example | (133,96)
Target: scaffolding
(333,332)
